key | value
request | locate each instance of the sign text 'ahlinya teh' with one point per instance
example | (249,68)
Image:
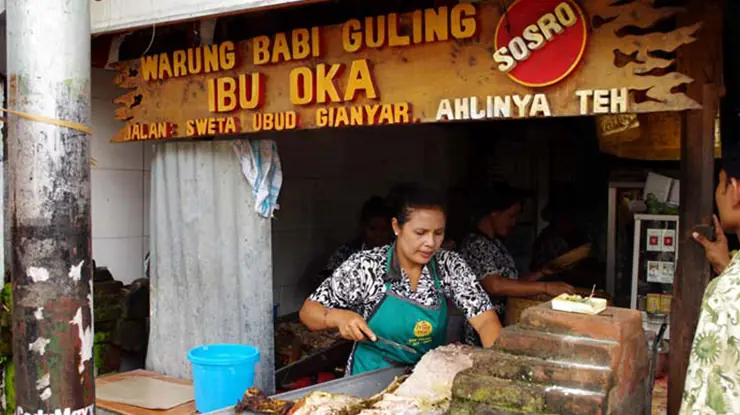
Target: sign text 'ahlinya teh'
(540,58)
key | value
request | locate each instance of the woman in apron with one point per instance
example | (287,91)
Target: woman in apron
(392,300)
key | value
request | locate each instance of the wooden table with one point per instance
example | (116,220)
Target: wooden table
(122,409)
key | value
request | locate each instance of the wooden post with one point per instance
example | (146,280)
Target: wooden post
(702,60)
(697,190)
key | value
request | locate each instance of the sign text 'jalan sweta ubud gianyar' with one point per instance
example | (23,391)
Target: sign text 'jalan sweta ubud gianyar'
(538,58)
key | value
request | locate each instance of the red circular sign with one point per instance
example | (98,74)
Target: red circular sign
(540,42)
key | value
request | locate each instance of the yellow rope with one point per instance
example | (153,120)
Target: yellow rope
(61,123)
(46,120)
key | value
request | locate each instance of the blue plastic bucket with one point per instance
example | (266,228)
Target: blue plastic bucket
(221,374)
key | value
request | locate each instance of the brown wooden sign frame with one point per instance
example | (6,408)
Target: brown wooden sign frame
(430,65)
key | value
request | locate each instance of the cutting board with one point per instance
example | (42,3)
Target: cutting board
(123,409)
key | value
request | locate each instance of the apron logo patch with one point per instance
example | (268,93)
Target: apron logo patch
(423,329)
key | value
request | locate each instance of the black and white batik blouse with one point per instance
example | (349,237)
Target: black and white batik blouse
(359,284)
(487,256)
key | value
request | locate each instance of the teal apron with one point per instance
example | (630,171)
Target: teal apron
(402,321)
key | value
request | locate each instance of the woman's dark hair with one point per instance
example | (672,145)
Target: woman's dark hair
(405,197)
(375,207)
(496,198)
(731,159)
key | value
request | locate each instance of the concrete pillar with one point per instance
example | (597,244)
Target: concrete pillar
(49,204)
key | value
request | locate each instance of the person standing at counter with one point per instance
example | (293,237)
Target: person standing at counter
(712,378)
(375,231)
(399,292)
(563,232)
(495,213)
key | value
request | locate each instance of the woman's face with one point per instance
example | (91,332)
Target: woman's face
(505,220)
(422,234)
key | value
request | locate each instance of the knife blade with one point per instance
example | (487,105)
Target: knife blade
(397,345)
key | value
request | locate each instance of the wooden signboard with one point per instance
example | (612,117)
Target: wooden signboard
(535,58)
(655,136)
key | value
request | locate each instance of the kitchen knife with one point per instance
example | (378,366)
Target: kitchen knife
(398,345)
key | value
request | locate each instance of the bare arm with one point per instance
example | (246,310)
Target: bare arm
(328,308)
(488,327)
(536,276)
(350,324)
(315,316)
(500,286)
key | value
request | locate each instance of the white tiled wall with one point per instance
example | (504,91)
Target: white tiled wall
(328,174)
(120,189)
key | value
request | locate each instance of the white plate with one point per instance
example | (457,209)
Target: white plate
(592,307)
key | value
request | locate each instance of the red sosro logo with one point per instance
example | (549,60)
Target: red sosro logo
(540,42)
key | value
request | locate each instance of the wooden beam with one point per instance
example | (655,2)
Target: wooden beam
(702,60)
(697,190)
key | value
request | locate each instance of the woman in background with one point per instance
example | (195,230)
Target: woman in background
(375,231)
(495,214)
(563,232)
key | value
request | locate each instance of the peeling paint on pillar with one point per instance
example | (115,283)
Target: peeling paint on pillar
(42,385)
(49,205)
(85,332)
(39,346)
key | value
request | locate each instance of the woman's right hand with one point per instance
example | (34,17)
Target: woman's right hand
(556,288)
(351,325)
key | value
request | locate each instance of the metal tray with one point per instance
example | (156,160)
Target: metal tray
(323,360)
(362,386)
